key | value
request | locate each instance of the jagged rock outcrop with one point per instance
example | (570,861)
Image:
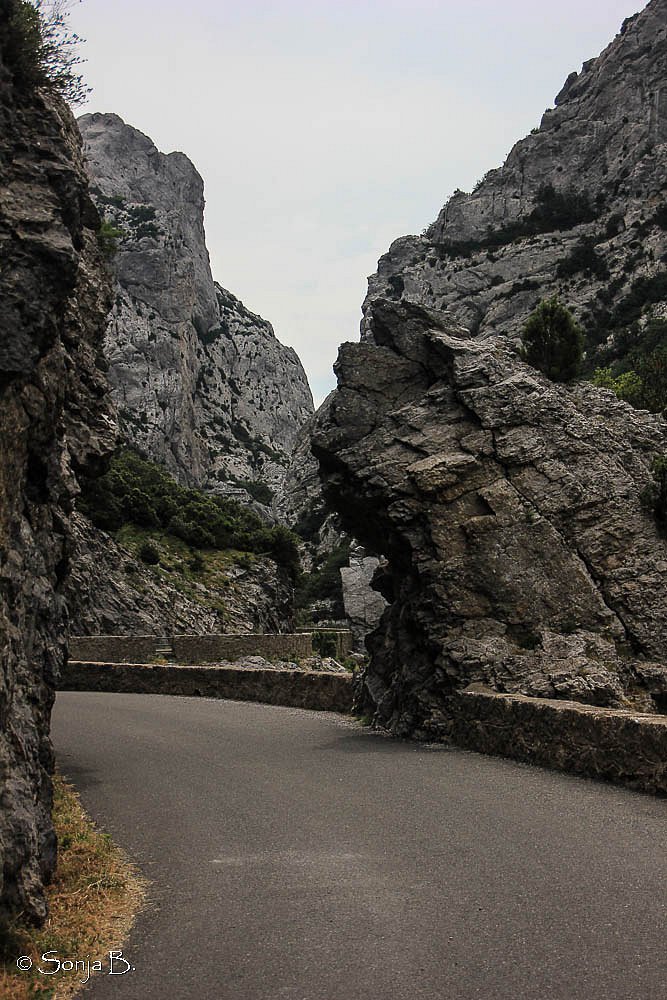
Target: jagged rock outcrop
(520,551)
(579,208)
(54,421)
(111,592)
(201,383)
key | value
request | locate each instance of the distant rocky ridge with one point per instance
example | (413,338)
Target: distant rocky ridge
(512,512)
(202,385)
(55,422)
(579,208)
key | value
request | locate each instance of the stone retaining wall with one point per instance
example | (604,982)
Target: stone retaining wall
(625,747)
(189,648)
(299,688)
(209,648)
(113,648)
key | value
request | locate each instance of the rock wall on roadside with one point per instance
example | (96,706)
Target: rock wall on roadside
(521,549)
(521,553)
(55,420)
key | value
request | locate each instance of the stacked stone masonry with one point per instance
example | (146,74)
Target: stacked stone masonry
(627,748)
(315,690)
(189,648)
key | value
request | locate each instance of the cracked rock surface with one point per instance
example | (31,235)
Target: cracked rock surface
(201,383)
(519,551)
(55,420)
(520,554)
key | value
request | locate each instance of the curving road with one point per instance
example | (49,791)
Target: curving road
(296,856)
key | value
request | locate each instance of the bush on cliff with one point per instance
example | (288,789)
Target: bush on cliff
(40,48)
(135,491)
(627,386)
(553,342)
(639,375)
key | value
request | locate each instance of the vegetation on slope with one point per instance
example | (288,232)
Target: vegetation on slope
(41,48)
(137,492)
(324,583)
(638,371)
(553,342)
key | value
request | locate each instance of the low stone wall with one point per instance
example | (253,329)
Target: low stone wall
(209,648)
(298,688)
(189,648)
(113,648)
(625,747)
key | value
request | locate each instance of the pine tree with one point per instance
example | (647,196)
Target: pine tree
(553,342)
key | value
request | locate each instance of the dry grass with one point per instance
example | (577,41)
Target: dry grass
(93,900)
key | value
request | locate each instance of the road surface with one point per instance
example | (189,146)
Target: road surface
(296,856)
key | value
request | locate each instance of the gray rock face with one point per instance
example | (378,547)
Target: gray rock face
(520,553)
(54,420)
(202,384)
(364,606)
(109,592)
(492,255)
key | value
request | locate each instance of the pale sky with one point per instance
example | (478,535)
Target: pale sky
(324,131)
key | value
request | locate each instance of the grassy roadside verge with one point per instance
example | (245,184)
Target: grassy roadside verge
(93,900)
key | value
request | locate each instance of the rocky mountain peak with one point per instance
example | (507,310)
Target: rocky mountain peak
(578,208)
(201,383)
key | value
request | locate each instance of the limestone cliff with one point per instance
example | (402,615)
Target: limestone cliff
(202,384)
(54,421)
(578,207)
(512,511)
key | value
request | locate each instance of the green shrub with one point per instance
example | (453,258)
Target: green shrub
(325,643)
(135,491)
(553,342)
(40,49)
(628,386)
(149,554)
(108,238)
(639,373)
(325,583)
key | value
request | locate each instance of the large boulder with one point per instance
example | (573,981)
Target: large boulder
(521,551)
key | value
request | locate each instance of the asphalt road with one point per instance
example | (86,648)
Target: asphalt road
(296,856)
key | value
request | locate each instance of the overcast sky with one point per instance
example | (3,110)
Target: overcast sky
(325,130)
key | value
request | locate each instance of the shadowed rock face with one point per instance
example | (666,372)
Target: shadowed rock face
(201,383)
(54,420)
(520,553)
